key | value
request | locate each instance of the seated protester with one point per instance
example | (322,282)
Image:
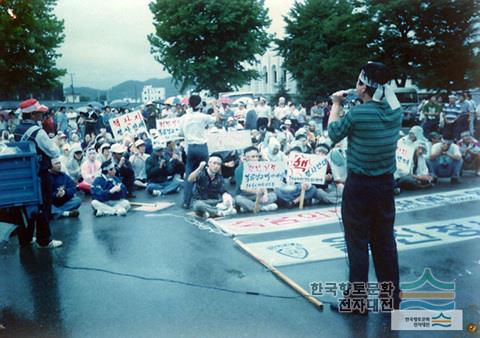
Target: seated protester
(470,149)
(65,154)
(89,170)
(251,118)
(109,193)
(312,133)
(123,168)
(174,155)
(138,160)
(74,163)
(230,161)
(445,160)
(158,171)
(209,194)
(246,198)
(419,176)
(415,134)
(301,141)
(288,195)
(104,153)
(331,192)
(64,201)
(273,152)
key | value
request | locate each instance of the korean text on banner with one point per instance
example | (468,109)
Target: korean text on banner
(169,129)
(131,124)
(306,168)
(262,175)
(232,140)
(404,156)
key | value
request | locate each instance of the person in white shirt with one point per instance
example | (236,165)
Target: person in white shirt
(419,175)
(446,160)
(280,113)
(264,114)
(193,127)
(138,159)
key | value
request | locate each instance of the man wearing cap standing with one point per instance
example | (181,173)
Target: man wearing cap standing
(368,207)
(193,127)
(29,130)
(124,168)
(109,193)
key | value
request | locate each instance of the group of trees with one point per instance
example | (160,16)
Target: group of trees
(213,44)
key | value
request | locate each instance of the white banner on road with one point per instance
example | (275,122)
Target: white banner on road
(262,174)
(328,215)
(232,140)
(306,168)
(331,246)
(130,124)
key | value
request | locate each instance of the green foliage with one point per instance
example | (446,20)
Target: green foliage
(208,44)
(325,45)
(282,91)
(432,42)
(28,53)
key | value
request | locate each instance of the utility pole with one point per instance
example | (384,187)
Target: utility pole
(71,84)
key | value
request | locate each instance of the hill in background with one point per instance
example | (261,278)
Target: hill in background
(132,89)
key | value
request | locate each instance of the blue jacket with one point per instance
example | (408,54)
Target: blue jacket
(58,180)
(101,188)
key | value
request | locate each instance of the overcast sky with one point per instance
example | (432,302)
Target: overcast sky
(106,41)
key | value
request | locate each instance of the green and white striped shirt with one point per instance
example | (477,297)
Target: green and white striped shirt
(372,129)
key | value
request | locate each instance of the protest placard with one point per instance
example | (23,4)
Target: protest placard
(262,175)
(129,124)
(231,140)
(306,168)
(404,157)
(169,129)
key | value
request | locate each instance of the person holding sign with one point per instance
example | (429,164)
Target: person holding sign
(209,193)
(368,206)
(252,199)
(193,127)
(418,176)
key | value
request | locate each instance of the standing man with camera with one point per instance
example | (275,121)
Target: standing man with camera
(29,130)
(368,206)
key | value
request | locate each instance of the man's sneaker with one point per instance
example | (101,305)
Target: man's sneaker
(52,245)
(396,191)
(73,213)
(178,189)
(156,193)
(269,207)
(206,215)
(454,180)
(227,212)
(242,210)
(121,211)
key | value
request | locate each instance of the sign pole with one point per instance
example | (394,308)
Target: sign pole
(257,204)
(318,304)
(302,196)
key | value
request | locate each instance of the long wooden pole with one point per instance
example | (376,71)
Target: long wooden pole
(257,204)
(318,304)
(302,196)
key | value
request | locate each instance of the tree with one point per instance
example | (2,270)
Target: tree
(282,91)
(325,45)
(432,42)
(209,44)
(30,34)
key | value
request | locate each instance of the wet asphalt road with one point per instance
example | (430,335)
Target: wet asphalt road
(143,276)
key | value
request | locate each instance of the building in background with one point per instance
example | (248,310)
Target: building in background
(151,93)
(270,67)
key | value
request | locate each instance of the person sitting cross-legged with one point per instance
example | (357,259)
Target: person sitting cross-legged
(209,194)
(158,171)
(446,160)
(246,198)
(64,201)
(109,193)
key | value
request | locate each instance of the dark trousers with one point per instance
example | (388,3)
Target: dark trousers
(39,220)
(196,153)
(368,212)
(127,176)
